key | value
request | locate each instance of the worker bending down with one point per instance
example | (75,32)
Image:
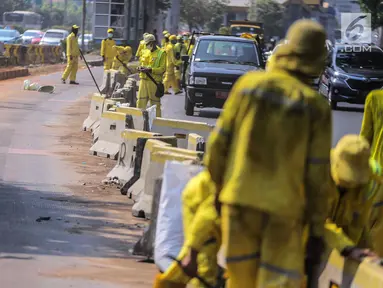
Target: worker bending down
(169,77)
(153,61)
(72,54)
(274,132)
(107,51)
(122,58)
(201,233)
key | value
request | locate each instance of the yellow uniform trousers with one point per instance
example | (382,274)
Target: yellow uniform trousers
(171,81)
(147,91)
(262,250)
(108,63)
(71,69)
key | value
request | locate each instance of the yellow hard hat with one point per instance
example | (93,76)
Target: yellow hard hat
(110,30)
(149,38)
(167,35)
(173,37)
(75,26)
(350,161)
(165,32)
(179,37)
(146,33)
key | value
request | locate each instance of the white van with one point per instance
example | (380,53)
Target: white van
(54,37)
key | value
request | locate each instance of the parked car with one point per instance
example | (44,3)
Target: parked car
(37,39)
(29,35)
(88,42)
(216,64)
(54,37)
(8,36)
(351,73)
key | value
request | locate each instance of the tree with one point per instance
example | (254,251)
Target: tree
(374,7)
(270,13)
(200,13)
(12,5)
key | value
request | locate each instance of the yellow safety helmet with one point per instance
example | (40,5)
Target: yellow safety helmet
(167,35)
(75,26)
(149,38)
(165,32)
(179,37)
(110,30)
(173,37)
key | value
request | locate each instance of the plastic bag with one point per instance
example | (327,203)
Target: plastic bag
(169,231)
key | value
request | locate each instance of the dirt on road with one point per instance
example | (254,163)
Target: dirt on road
(73,146)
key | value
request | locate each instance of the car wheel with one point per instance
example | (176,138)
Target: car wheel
(189,106)
(333,104)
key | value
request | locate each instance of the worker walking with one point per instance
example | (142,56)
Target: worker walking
(372,125)
(274,132)
(141,46)
(191,46)
(107,51)
(72,53)
(153,61)
(170,77)
(179,51)
(165,40)
(124,54)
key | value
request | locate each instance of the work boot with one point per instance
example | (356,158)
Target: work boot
(73,82)
(63,80)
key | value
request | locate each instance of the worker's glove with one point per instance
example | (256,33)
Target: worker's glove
(314,249)
(357,254)
(103,58)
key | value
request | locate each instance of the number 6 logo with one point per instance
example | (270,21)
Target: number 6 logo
(353,26)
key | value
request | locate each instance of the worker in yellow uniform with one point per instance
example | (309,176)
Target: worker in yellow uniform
(107,51)
(153,61)
(352,205)
(191,47)
(179,51)
(202,235)
(186,38)
(123,56)
(141,46)
(165,40)
(372,125)
(274,132)
(170,77)
(72,53)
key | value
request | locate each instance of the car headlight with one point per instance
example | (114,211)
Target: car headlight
(340,76)
(200,81)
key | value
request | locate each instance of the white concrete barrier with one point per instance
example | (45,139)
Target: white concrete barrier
(143,207)
(180,129)
(95,111)
(124,169)
(108,104)
(141,118)
(196,142)
(150,146)
(112,124)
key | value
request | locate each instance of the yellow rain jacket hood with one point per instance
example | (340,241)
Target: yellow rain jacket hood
(303,51)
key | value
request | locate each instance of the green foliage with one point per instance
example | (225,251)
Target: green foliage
(12,5)
(200,13)
(19,28)
(270,13)
(375,7)
(61,27)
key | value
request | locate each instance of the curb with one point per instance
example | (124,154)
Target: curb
(4,75)
(95,63)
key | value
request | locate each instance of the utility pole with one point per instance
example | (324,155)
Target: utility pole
(65,12)
(83,24)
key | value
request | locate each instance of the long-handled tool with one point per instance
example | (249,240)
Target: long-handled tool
(91,74)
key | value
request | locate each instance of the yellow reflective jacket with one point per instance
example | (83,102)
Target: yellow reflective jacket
(107,50)
(201,221)
(155,60)
(274,133)
(372,125)
(124,55)
(190,53)
(72,48)
(141,47)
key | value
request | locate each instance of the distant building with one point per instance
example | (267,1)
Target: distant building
(237,10)
(345,6)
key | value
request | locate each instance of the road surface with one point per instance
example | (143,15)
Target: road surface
(73,248)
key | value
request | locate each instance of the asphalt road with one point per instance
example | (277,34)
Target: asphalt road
(31,175)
